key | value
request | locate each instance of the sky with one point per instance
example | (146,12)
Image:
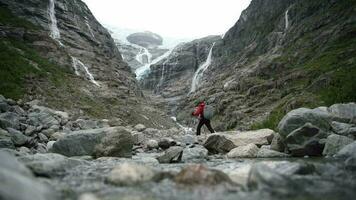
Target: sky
(172,18)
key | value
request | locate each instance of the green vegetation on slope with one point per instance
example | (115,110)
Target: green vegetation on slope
(8,19)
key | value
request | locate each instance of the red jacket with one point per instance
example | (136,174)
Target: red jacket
(199,109)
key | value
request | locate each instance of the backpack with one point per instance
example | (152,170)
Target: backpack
(208,112)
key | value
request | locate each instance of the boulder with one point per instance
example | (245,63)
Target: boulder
(347,151)
(17,137)
(138,138)
(195,153)
(9,120)
(248,151)
(152,144)
(113,141)
(268,153)
(6,143)
(4,107)
(306,140)
(171,155)
(200,175)
(344,128)
(188,139)
(115,144)
(344,112)
(41,116)
(140,127)
(334,143)
(130,174)
(295,119)
(224,142)
(165,143)
(277,143)
(49,164)
(18,183)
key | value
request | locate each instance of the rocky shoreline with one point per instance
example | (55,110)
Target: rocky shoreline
(48,155)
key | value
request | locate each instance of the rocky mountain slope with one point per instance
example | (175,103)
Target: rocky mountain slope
(57,52)
(280,55)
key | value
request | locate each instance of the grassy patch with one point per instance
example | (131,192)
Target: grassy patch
(20,64)
(271,121)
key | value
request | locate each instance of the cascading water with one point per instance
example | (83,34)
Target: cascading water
(89,28)
(286,19)
(200,71)
(77,63)
(55,34)
(146,68)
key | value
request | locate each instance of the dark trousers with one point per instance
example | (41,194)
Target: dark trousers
(207,124)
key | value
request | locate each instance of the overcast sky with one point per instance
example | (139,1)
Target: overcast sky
(174,18)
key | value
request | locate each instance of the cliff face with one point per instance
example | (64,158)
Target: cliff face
(278,56)
(85,73)
(172,76)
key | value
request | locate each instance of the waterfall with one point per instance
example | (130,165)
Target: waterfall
(144,52)
(200,71)
(145,69)
(89,28)
(55,34)
(77,64)
(286,20)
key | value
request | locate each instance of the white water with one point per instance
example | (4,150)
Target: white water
(141,71)
(77,63)
(90,30)
(286,20)
(142,54)
(200,71)
(55,34)
(185,129)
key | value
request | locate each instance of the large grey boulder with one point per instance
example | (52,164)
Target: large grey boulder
(277,143)
(5,140)
(18,183)
(113,141)
(49,164)
(171,155)
(344,112)
(9,120)
(347,151)
(306,140)
(247,151)
(225,141)
(344,128)
(194,153)
(334,143)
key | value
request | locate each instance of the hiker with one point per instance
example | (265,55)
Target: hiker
(199,112)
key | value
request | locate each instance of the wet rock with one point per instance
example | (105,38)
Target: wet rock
(306,140)
(277,143)
(116,144)
(17,137)
(200,175)
(334,143)
(248,151)
(140,127)
(130,174)
(165,143)
(113,141)
(194,153)
(49,164)
(226,141)
(262,177)
(343,128)
(9,120)
(50,145)
(171,155)
(188,139)
(17,182)
(267,153)
(152,144)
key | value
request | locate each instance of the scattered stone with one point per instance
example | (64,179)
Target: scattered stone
(194,152)
(152,144)
(334,143)
(306,140)
(171,155)
(24,150)
(268,153)
(130,174)
(278,143)
(200,175)
(30,130)
(57,135)
(248,151)
(9,120)
(140,127)
(41,148)
(43,138)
